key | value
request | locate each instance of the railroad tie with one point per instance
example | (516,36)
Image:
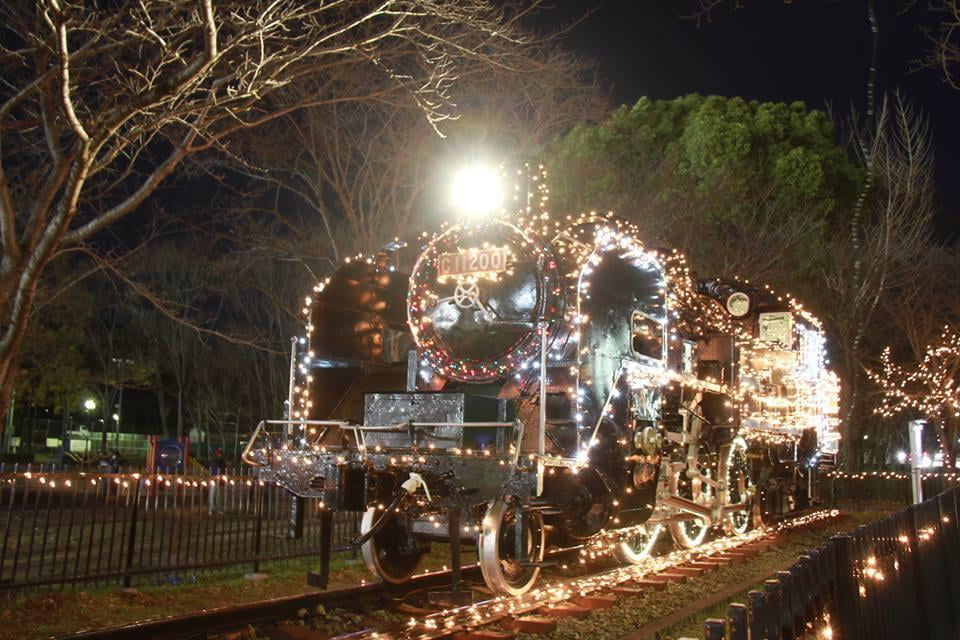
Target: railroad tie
(290,631)
(672,576)
(595,601)
(656,583)
(537,625)
(565,610)
(483,634)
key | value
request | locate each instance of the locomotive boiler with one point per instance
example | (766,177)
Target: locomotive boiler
(536,384)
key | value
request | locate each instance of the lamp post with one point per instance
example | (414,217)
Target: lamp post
(121,363)
(89,405)
(477,192)
(916,453)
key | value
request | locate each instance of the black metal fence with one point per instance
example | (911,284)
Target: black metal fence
(62,529)
(898,577)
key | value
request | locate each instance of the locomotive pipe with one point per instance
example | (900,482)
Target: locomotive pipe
(382,521)
(688,506)
(543,390)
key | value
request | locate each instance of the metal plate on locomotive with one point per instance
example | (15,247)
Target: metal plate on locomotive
(385,409)
(473,262)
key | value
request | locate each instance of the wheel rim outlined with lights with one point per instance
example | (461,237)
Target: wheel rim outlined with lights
(496,545)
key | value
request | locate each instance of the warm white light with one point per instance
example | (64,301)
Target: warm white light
(116,417)
(477,191)
(89,404)
(901,456)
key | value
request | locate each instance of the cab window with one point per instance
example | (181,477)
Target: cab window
(647,336)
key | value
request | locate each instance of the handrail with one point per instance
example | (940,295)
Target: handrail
(403,425)
(359,430)
(245,456)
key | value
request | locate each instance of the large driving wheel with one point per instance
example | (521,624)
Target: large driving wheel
(637,546)
(496,548)
(739,487)
(391,553)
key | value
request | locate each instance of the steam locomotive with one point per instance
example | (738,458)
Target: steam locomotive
(536,384)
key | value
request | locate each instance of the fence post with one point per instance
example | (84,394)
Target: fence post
(258,526)
(847,594)
(131,535)
(916,562)
(713,629)
(788,604)
(933,560)
(950,547)
(756,601)
(737,618)
(772,590)
(802,611)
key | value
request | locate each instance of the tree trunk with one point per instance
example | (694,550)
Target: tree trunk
(948,438)
(162,407)
(179,411)
(14,322)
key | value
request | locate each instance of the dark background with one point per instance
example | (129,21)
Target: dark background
(817,51)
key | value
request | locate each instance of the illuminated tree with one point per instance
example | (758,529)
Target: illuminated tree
(928,387)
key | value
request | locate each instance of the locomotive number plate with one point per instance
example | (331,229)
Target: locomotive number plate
(473,261)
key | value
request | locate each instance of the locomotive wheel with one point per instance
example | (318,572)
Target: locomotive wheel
(739,487)
(388,554)
(496,549)
(638,546)
(690,533)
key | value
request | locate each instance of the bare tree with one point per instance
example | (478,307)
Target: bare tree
(366,170)
(888,252)
(102,102)
(946,49)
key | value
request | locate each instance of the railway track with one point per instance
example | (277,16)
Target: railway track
(427,619)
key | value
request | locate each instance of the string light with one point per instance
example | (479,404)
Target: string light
(481,613)
(783,385)
(928,387)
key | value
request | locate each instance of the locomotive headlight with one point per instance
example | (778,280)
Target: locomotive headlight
(477,191)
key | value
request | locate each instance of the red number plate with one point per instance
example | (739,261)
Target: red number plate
(473,261)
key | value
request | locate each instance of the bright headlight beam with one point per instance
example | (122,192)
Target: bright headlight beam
(477,191)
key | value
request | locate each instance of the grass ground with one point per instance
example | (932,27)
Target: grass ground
(630,614)
(46,614)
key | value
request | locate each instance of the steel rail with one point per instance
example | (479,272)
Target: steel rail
(202,624)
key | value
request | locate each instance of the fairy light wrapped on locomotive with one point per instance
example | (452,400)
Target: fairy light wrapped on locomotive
(785,387)
(531,375)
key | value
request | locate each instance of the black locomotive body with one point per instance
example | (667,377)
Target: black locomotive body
(533,384)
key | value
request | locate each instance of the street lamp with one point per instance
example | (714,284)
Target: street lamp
(89,404)
(477,191)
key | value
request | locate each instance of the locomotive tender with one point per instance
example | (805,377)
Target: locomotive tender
(537,383)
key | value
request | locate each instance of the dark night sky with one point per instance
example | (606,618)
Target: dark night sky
(817,51)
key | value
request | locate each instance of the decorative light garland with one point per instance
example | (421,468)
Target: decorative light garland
(482,613)
(930,387)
